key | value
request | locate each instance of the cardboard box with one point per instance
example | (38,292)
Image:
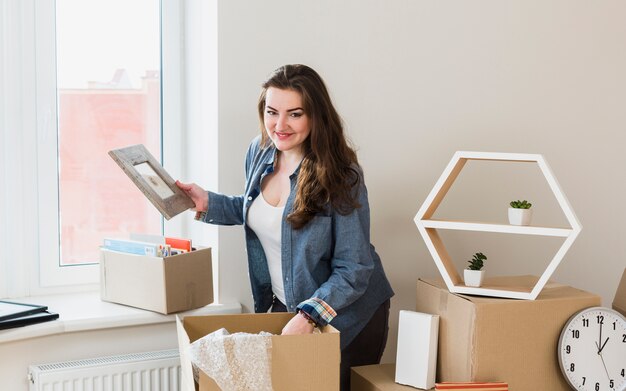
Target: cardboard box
(166,285)
(489,340)
(299,362)
(376,378)
(619,302)
(416,358)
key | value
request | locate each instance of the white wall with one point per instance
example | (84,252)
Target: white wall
(417,80)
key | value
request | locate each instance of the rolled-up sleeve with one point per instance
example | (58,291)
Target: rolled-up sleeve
(224,210)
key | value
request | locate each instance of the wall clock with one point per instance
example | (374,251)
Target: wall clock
(592,350)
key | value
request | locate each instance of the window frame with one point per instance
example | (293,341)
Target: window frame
(33,204)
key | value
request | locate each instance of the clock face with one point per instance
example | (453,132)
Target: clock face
(592,350)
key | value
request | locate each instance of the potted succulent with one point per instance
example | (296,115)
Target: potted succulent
(474,274)
(520,212)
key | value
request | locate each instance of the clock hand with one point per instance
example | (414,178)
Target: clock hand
(603,345)
(600,339)
(604,365)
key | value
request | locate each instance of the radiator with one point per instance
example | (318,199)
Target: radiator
(150,371)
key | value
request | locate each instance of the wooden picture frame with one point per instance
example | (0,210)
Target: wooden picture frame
(152,179)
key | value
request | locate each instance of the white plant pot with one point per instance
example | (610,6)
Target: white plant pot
(473,277)
(520,216)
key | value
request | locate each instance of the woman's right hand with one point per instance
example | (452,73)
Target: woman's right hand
(197,194)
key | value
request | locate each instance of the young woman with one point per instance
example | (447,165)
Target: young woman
(307,222)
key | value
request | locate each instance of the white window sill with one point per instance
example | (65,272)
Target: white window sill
(85,312)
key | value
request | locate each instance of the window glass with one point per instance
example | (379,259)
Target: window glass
(109,96)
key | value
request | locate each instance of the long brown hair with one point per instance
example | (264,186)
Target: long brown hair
(329,171)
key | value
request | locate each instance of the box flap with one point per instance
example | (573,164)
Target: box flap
(187,382)
(619,302)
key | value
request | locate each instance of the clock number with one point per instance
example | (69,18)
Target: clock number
(597,386)
(624,338)
(614,325)
(568,349)
(576,334)
(600,319)
(622,373)
(585,322)
(571,367)
(611,383)
(584,379)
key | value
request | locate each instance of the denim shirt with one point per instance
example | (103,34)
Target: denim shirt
(330,261)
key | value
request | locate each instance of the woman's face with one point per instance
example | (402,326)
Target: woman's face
(285,122)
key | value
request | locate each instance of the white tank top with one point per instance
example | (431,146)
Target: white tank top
(266,222)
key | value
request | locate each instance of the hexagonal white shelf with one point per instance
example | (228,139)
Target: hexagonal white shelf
(428,227)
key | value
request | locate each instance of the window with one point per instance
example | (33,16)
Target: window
(108,96)
(80,78)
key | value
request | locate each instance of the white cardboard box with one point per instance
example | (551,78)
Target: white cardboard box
(416,359)
(166,285)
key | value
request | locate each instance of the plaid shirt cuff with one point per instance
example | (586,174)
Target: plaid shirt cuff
(318,310)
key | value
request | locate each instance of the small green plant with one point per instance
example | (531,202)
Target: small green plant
(476,263)
(520,204)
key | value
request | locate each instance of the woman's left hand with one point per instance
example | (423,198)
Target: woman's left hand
(298,325)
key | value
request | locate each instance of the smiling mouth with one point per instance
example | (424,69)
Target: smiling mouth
(282,135)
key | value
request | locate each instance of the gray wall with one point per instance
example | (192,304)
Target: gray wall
(416,81)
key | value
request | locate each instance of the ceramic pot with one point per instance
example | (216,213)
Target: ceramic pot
(520,216)
(473,277)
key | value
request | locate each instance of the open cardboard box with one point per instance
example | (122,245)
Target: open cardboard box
(619,302)
(299,362)
(166,285)
(494,339)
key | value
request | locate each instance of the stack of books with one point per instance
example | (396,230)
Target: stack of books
(472,386)
(19,314)
(150,245)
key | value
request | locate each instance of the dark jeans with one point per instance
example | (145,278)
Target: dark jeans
(278,306)
(367,347)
